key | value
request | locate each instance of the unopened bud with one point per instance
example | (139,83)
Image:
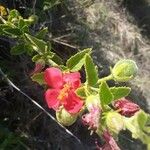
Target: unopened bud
(124,70)
(92,101)
(65,118)
(32,19)
(126,107)
(114,122)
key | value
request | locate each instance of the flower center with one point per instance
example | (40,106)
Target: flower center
(64,92)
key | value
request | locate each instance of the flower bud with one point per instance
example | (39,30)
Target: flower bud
(92,101)
(114,122)
(126,107)
(124,70)
(39,65)
(33,19)
(65,118)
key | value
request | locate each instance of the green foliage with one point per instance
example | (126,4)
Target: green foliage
(48,4)
(137,126)
(91,71)
(39,78)
(19,49)
(37,44)
(81,92)
(8,140)
(119,92)
(77,61)
(42,33)
(105,94)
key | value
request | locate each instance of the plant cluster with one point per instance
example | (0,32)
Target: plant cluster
(103,109)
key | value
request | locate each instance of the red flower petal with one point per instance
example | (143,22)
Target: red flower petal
(73,79)
(53,77)
(73,103)
(51,98)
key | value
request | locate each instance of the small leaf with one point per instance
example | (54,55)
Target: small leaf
(57,59)
(91,71)
(38,44)
(76,62)
(42,33)
(12,31)
(81,92)
(18,49)
(119,92)
(39,78)
(105,95)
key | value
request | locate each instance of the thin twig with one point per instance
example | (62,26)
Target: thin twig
(38,105)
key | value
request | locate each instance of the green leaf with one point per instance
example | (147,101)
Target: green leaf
(36,57)
(142,119)
(119,92)
(105,95)
(38,44)
(39,78)
(18,49)
(136,125)
(81,92)
(57,59)
(13,14)
(76,62)
(91,71)
(12,31)
(42,33)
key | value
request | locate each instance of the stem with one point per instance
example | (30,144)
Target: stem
(110,77)
(3,20)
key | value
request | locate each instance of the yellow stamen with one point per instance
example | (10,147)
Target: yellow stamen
(64,92)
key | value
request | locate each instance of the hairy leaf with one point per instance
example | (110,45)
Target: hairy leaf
(119,92)
(38,44)
(39,78)
(77,61)
(91,71)
(105,95)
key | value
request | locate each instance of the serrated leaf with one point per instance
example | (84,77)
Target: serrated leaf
(76,62)
(81,92)
(39,78)
(119,92)
(105,95)
(91,71)
(18,49)
(38,44)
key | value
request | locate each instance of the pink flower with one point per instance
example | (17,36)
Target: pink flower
(126,107)
(91,119)
(63,90)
